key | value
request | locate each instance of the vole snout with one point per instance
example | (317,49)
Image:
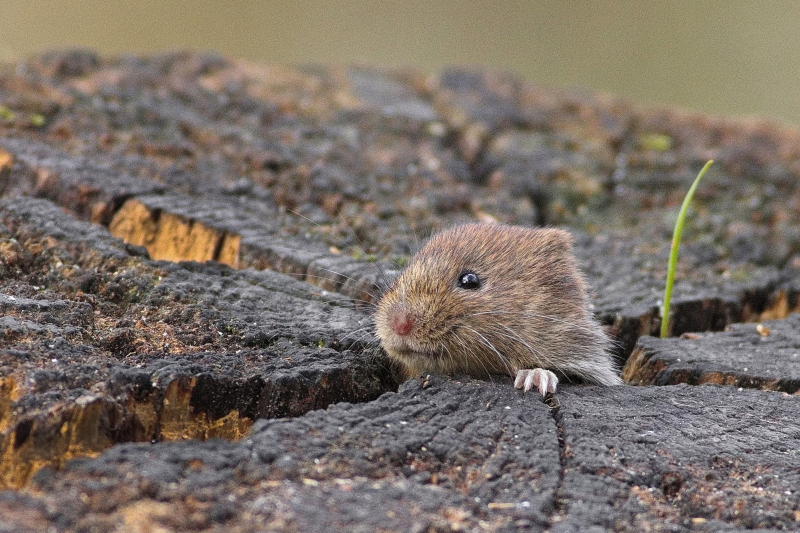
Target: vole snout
(400,319)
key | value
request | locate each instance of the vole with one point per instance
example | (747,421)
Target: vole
(484,299)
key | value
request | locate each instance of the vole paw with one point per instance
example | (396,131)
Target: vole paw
(544,380)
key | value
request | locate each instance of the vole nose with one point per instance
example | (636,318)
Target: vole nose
(400,320)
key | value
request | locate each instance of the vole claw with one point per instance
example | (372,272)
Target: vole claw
(544,380)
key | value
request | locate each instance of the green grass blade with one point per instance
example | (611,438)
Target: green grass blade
(673,253)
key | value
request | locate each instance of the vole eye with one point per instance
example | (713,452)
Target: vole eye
(469,280)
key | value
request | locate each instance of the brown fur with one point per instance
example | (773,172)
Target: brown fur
(531,310)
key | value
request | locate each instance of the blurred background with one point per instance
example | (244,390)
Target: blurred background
(733,57)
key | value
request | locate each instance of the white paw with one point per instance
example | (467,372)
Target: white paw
(544,380)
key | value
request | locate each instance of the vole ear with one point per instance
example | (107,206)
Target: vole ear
(557,239)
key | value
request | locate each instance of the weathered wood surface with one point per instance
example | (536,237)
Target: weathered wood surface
(306,189)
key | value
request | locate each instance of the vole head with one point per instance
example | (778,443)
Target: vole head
(484,298)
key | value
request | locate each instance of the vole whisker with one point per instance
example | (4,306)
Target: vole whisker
(306,277)
(613,342)
(463,345)
(539,355)
(466,355)
(364,333)
(359,339)
(449,353)
(537,315)
(491,346)
(373,295)
(381,274)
